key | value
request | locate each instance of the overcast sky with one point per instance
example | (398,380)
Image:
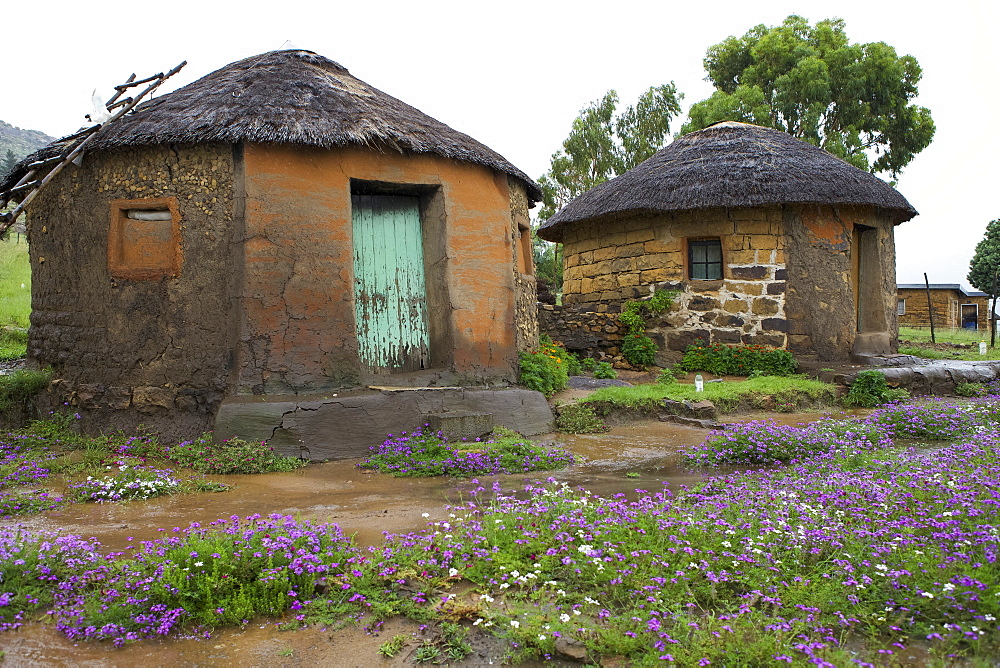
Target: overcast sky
(515,74)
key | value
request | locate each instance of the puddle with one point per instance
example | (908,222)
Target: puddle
(363,504)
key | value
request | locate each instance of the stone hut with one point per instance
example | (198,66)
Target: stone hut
(954,307)
(281,251)
(768,240)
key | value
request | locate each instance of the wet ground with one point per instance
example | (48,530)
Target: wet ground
(363,504)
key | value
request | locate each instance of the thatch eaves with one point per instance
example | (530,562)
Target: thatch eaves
(294,97)
(730,165)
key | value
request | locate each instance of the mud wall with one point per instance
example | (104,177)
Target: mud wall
(133,350)
(824,279)
(297,316)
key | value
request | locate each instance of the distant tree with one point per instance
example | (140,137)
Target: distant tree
(809,81)
(7,164)
(602,145)
(984,269)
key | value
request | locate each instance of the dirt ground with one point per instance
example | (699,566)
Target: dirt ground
(364,504)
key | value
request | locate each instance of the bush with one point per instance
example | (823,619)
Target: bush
(233,456)
(870,389)
(545,370)
(720,359)
(579,419)
(666,377)
(588,364)
(638,349)
(970,390)
(605,370)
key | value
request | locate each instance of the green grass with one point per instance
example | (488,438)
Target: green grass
(967,355)
(768,392)
(943,335)
(15,300)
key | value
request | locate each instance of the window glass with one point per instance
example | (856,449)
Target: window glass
(705,259)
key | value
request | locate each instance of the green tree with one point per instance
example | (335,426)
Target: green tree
(984,269)
(809,81)
(7,163)
(602,145)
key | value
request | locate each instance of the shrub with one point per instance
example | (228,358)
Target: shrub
(666,377)
(588,364)
(235,455)
(573,365)
(130,482)
(870,389)
(721,359)
(579,419)
(970,390)
(545,370)
(638,349)
(605,370)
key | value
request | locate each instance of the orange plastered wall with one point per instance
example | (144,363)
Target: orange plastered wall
(299,254)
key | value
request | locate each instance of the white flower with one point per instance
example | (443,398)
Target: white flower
(516,624)
(425,514)
(452,572)
(199,563)
(927,594)
(564,618)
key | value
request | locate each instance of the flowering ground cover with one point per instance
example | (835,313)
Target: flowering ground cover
(861,553)
(49,454)
(426,453)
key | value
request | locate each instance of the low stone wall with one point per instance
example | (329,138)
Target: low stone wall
(581,330)
(936,377)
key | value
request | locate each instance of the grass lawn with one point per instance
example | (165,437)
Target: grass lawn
(15,283)
(943,335)
(15,296)
(768,392)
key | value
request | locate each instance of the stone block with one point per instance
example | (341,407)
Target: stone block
(681,340)
(700,303)
(777,288)
(606,253)
(764,242)
(631,250)
(726,336)
(661,246)
(461,425)
(780,274)
(730,321)
(800,343)
(765,306)
(773,340)
(118,398)
(735,306)
(755,225)
(623,264)
(752,288)
(756,272)
(774,324)
(653,276)
(645,234)
(741,257)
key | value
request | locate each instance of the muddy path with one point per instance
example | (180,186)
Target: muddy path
(364,504)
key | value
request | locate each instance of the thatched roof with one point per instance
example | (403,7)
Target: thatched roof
(732,165)
(295,97)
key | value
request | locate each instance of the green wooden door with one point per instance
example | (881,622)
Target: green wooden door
(390,298)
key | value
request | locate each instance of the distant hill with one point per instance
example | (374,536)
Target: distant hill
(20,142)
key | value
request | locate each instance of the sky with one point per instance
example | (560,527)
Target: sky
(515,74)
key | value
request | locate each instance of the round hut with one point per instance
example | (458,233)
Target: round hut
(279,250)
(768,240)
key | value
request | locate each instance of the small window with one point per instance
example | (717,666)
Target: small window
(705,259)
(525,260)
(144,239)
(901,307)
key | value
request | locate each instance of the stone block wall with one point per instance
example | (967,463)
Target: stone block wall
(610,262)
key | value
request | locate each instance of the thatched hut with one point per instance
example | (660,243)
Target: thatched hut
(768,239)
(236,251)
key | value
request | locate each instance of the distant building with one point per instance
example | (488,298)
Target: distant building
(954,307)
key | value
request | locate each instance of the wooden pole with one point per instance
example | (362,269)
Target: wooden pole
(930,307)
(993,323)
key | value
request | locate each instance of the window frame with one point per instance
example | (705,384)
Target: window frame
(900,306)
(169,265)
(705,242)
